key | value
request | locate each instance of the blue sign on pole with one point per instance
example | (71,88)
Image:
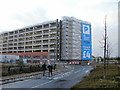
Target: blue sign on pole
(86,42)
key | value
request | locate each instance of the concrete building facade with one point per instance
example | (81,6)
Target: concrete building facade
(37,38)
(62,39)
(72,38)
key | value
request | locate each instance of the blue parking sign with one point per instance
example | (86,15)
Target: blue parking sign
(86,42)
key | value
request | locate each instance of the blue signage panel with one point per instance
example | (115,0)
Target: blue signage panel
(86,42)
(24,60)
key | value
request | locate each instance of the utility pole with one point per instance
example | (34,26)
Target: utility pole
(57,40)
(105,47)
(54,54)
(107,52)
(60,39)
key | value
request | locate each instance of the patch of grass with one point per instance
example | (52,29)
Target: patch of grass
(96,80)
(18,70)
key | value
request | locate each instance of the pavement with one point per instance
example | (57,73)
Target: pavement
(64,79)
(21,77)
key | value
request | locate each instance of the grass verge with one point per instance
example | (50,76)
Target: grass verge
(95,78)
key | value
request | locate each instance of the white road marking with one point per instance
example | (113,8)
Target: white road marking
(42,84)
(14,82)
(77,71)
(83,68)
(55,78)
(63,75)
(87,71)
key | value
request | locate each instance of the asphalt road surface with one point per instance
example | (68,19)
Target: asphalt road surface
(61,80)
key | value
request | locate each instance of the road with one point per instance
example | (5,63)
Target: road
(61,80)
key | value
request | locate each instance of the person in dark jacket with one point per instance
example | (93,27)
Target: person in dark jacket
(50,67)
(44,68)
(54,66)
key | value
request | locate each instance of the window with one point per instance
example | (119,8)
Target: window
(44,56)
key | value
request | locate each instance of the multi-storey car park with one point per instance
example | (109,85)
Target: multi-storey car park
(66,39)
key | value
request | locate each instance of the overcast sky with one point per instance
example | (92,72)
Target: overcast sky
(15,14)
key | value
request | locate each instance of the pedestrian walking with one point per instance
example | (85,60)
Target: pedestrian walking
(44,69)
(54,66)
(50,67)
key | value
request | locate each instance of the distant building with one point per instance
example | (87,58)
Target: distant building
(66,39)
(8,58)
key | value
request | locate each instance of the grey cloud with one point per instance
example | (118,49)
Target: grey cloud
(32,17)
(98,33)
(2,30)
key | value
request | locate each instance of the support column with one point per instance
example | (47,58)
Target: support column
(40,58)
